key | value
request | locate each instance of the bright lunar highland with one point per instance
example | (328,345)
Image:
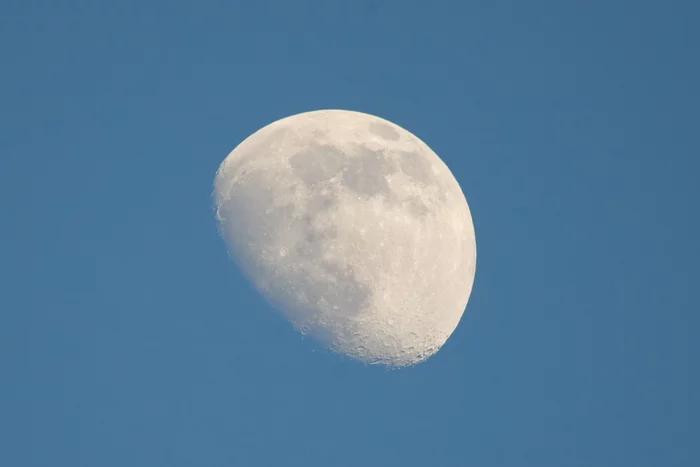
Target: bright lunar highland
(354,229)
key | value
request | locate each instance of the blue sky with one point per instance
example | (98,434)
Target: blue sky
(128,338)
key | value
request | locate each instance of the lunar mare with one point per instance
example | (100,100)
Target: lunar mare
(354,229)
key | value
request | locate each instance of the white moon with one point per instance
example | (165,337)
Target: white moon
(354,229)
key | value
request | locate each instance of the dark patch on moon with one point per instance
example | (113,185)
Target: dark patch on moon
(416,206)
(335,288)
(311,244)
(345,294)
(321,202)
(366,173)
(258,221)
(416,166)
(384,131)
(317,164)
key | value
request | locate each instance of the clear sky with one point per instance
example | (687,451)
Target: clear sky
(127,338)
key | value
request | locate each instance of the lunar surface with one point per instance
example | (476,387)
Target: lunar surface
(353,229)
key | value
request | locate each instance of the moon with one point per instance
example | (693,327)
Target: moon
(354,230)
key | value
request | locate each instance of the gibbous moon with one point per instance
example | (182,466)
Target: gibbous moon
(352,228)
